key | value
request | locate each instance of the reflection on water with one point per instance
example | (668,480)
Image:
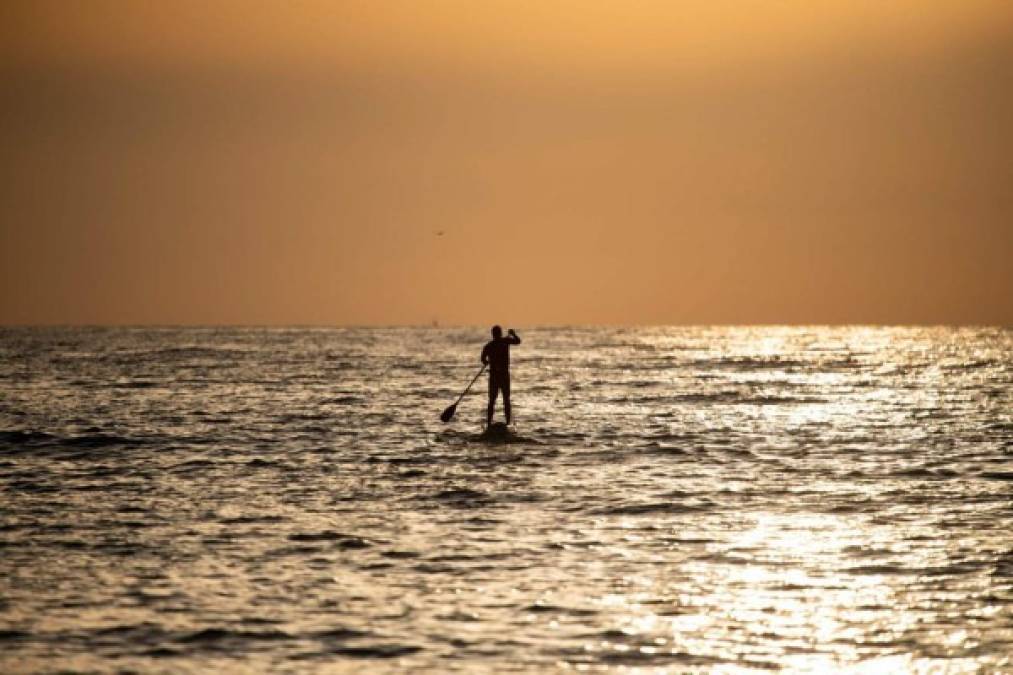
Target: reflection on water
(711,499)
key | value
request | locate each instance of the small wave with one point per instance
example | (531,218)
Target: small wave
(544,608)
(161,653)
(387,651)
(640,658)
(460,557)
(1004,565)
(885,570)
(339,634)
(461,494)
(214,635)
(258,462)
(136,384)
(458,615)
(192,465)
(740,398)
(650,507)
(32,487)
(409,459)
(997,475)
(970,365)
(956,569)
(33,438)
(728,396)
(724,559)
(303,550)
(751,363)
(343,541)
(857,507)
(243,520)
(11,635)
(99,441)
(37,439)
(185,353)
(656,448)
(782,400)
(346,400)
(303,417)
(136,632)
(922,472)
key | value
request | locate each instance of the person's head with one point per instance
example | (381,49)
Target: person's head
(497,332)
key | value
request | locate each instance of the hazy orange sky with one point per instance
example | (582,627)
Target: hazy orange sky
(587,162)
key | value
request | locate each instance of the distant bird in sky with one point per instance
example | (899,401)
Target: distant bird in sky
(439,233)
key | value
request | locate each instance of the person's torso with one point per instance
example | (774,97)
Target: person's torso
(499,355)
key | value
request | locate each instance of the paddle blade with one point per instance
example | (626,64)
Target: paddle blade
(448,413)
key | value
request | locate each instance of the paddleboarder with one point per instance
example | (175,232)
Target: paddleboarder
(496,355)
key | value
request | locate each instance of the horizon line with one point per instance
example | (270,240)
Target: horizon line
(483,326)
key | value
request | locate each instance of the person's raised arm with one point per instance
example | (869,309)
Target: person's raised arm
(513,337)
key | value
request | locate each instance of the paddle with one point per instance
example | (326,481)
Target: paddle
(449,412)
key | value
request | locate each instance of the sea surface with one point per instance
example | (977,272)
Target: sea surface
(669,499)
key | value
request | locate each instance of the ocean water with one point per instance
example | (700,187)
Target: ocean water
(674,499)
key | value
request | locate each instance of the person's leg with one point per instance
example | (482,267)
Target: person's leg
(505,386)
(493,390)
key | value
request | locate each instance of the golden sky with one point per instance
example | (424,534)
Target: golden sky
(585,161)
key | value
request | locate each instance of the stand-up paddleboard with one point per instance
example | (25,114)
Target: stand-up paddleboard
(498,433)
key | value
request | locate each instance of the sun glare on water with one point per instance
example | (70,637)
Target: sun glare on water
(777,594)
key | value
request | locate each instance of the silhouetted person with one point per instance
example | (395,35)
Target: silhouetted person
(496,355)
